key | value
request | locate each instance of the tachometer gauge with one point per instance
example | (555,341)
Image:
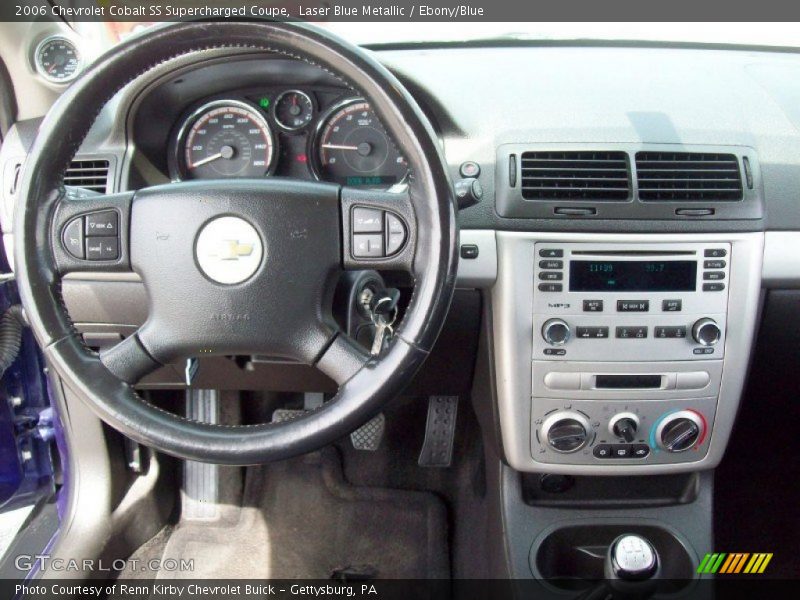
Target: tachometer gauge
(226,138)
(57,59)
(351,148)
(293,110)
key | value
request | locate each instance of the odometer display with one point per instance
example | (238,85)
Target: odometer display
(227,139)
(352,148)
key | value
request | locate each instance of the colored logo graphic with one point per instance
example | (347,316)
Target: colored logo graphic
(733,563)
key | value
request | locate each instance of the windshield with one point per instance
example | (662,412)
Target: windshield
(758,34)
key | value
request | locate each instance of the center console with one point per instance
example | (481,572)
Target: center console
(621,354)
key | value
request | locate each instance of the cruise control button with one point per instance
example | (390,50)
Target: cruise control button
(367,220)
(714,275)
(102,248)
(367,245)
(103,223)
(72,238)
(550,287)
(602,451)
(395,234)
(551,276)
(551,253)
(633,305)
(714,264)
(551,264)
(640,450)
(671,305)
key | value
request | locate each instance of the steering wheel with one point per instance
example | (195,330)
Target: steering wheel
(237,266)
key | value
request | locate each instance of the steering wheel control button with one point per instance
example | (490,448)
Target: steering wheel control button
(103,223)
(633,305)
(102,248)
(395,234)
(469,251)
(367,245)
(72,238)
(367,220)
(228,250)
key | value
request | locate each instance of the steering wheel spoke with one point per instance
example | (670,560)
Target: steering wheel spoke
(129,360)
(91,233)
(342,359)
(379,229)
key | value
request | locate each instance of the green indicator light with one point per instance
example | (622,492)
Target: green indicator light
(264,103)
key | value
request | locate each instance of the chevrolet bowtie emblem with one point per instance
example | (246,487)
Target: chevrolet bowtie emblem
(232,250)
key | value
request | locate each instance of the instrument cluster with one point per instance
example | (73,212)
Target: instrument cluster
(305,133)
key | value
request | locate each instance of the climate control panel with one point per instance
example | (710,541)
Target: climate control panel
(595,432)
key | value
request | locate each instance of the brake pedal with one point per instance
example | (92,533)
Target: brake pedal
(368,437)
(440,432)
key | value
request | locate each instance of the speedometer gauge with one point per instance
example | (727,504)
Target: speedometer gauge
(351,148)
(226,138)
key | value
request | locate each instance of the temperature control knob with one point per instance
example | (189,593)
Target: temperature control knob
(680,431)
(624,425)
(556,332)
(706,332)
(566,431)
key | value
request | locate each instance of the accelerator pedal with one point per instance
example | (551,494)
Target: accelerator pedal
(440,432)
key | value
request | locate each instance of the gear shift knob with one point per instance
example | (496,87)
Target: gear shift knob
(632,558)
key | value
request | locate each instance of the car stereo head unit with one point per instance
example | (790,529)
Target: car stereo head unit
(630,302)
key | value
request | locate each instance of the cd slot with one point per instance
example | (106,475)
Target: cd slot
(628,382)
(634,253)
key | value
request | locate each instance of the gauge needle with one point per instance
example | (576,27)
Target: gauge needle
(225,152)
(338,147)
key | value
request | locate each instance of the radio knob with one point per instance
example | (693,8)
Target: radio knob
(624,425)
(706,332)
(680,431)
(566,431)
(556,332)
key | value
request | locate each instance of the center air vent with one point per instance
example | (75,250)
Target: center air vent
(88,174)
(575,176)
(688,176)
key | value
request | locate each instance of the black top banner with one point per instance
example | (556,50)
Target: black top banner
(402,10)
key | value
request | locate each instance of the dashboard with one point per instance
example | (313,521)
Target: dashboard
(274,124)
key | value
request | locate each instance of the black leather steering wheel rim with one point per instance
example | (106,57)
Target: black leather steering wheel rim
(361,395)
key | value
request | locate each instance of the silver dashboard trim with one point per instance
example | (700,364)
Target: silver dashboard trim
(512,302)
(781,263)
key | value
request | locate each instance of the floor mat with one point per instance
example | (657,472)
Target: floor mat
(301,519)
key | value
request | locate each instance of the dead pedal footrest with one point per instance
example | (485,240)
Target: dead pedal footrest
(440,432)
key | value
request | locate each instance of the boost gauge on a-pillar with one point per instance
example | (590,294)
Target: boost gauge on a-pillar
(225,138)
(57,59)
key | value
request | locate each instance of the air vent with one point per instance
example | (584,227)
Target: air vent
(88,174)
(688,176)
(575,176)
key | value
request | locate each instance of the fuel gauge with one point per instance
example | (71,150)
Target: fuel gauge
(293,110)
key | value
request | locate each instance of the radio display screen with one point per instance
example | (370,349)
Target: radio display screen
(632,276)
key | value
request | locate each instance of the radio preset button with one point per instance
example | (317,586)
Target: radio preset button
(551,264)
(714,275)
(633,305)
(550,287)
(551,276)
(713,287)
(671,305)
(715,252)
(714,264)
(670,332)
(596,333)
(551,253)
(592,306)
(633,332)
